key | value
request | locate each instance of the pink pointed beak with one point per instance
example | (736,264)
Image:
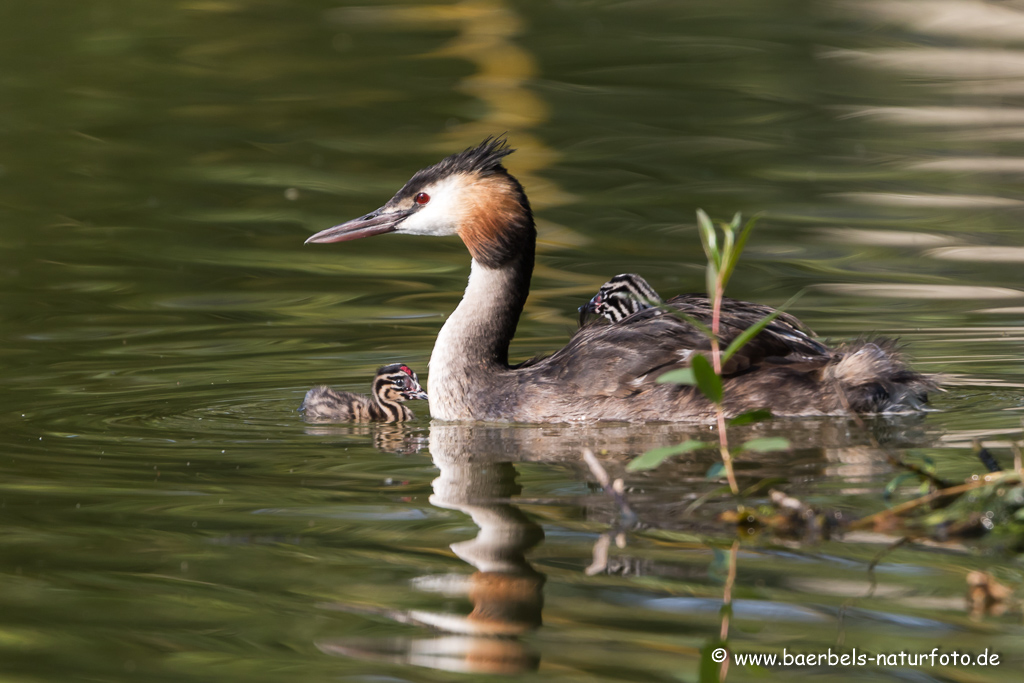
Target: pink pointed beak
(374,223)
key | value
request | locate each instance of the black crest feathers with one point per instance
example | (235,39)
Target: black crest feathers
(484,159)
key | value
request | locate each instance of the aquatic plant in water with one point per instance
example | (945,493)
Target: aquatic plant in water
(722,257)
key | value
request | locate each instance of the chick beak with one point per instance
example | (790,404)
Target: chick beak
(374,223)
(416,394)
(586,309)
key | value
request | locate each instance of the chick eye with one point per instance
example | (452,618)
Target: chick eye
(422,198)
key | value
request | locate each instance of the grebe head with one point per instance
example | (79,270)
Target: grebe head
(619,298)
(469,194)
(396,383)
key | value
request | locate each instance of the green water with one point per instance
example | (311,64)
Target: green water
(166,515)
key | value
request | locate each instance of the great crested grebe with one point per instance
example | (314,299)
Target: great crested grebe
(605,372)
(391,385)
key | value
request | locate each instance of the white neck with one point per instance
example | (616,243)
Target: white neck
(471,351)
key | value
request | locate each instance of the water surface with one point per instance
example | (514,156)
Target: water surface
(168,516)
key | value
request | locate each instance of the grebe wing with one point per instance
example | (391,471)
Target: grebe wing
(625,358)
(784,336)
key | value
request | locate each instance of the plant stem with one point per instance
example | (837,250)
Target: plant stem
(723,634)
(716,357)
(716,319)
(723,446)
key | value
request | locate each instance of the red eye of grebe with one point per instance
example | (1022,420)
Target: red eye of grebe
(422,198)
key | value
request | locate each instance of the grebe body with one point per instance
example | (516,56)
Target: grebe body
(605,372)
(392,385)
(627,294)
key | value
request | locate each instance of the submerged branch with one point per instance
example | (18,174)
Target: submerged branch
(877,519)
(613,488)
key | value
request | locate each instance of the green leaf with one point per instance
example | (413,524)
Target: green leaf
(765,444)
(709,238)
(745,234)
(711,279)
(746,335)
(728,257)
(895,483)
(763,486)
(748,418)
(680,376)
(715,492)
(716,471)
(656,456)
(737,250)
(708,382)
(737,218)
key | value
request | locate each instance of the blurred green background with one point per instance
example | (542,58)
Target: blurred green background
(165,514)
